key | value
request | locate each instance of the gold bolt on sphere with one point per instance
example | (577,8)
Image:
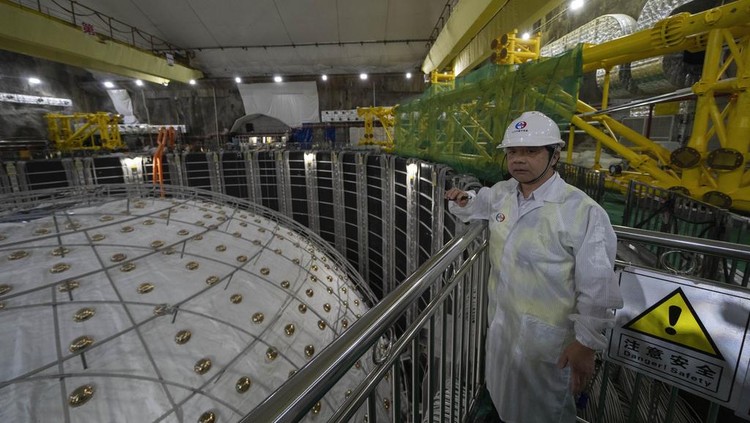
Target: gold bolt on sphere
(145,288)
(80,395)
(59,251)
(127,267)
(183,337)
(5,288)
(295,261)
(68,286)
(285,284)
(126,229)
(106,218)
(326,307)
(272,353)
(256,242)
(202,366)
(345,323)
(258,318)
(212,280)
(41,231)
(236,298)
(356,302)
(183,232)
(97,237)
(321,324)
(221,248)
(118,257)
(316,408)
(192,265)
(207,417)
(157,244)
(343,289)
(386,403)
(277,251)
(309,351)
(148,222)
(330,278)
(241,259)
(243,384)
(265,271)
(237,234)
(314,267)
(329,290)
(302,308)
(309,293)
(197,237)
(80,343)
(16,255)
(59,268)
(348,393)
(289,329)
(84,314)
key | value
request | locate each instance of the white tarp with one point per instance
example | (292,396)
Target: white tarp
(293,103)
(123,105)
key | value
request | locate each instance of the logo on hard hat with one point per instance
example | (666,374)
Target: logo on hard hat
(499,217)
(521,124)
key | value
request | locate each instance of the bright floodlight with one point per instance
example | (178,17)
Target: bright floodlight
(576,4)
(277,78)
(525,36)
(109,84)
(34,81)
(363,76)
(324,77)
(192,82)
(138,82)
(237,79)
(408,75)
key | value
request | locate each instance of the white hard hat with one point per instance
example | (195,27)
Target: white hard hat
(532,129)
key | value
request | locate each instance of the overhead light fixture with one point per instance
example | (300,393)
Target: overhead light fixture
(324,77)
(109,84)
(237,79)
(34,81)
(408,75)
(192,82)
(138,82)
(277,78)
(363,76)
(525,36)
(576,4)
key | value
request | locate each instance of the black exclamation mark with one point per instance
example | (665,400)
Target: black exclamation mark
(674,315)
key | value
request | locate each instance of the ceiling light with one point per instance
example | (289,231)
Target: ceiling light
(34,81)
(138,82)
(277,78)
(109,84)
(576,4)
(192,82)
(408,75)
(324,77)
(525,36)
(363,76)
(237,79)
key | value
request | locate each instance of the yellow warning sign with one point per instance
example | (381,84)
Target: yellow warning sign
(674,320)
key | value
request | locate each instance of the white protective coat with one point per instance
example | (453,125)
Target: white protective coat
(552,281)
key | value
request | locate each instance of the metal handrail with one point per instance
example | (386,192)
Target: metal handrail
(294,399)
(709,246)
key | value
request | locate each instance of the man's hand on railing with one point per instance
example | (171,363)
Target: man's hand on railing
(461,198)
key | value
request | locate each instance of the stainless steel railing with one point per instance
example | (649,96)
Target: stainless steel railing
(443,299)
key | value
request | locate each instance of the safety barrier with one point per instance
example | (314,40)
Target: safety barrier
(435,362)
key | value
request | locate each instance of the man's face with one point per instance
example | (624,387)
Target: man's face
(527,163)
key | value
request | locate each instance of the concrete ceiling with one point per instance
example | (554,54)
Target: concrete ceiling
(229,38)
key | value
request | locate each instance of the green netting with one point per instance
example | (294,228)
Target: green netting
(463,126)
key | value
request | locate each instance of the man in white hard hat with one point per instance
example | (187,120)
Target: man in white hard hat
(551,289)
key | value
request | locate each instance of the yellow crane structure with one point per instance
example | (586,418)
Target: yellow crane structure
(84,131)
(717,176)
(385,115)
(509,49)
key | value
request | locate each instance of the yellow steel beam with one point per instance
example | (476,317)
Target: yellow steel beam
(27,32)
(520,14)
(675,33)
(467,20)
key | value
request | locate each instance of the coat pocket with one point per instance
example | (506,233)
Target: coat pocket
(540,341)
